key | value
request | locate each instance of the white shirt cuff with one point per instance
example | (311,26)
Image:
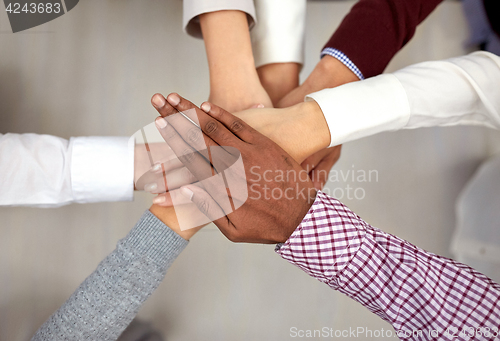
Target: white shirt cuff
(279,37)
(356,110)
(102,169)
(193,8)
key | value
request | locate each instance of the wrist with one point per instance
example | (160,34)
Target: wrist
(168,217)
(313,125)
(302,131)
(329,73)
(149,238)
(279,79)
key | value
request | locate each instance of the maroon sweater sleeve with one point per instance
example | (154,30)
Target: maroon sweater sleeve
(374,30)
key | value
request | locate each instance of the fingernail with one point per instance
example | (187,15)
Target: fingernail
(158,101)
(156,167)
(260,106)
(187,192)
(150,187)
(161,122)
(173,99)
(159,200)
(205,107)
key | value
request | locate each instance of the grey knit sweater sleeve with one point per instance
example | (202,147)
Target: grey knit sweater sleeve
(107,301)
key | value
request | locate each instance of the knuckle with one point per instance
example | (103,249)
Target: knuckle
(204,206)
(218,112)
(187,156)
(194,135)
(211,127)
(236,126)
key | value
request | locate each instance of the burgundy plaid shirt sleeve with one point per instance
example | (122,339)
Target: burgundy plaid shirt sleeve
(424,296)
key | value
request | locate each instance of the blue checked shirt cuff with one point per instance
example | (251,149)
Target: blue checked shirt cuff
(343,59)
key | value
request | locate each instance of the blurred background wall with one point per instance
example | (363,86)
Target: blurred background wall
(93,71)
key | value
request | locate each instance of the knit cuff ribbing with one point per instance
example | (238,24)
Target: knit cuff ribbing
(152,238)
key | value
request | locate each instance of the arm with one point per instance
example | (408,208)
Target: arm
(328,73)
(108,300)
(410,288)
(367,39)
(457,91)
(379,28)
(276,41)
(43,170)
(234,82)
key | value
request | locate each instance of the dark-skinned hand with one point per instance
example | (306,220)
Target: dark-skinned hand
(279,191)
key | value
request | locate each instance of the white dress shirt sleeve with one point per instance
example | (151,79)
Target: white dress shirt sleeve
(457,91)
(278,35)
(48,171)
(193,8)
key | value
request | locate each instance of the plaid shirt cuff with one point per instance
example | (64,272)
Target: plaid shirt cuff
(343,59)
(421,294)
(323,243)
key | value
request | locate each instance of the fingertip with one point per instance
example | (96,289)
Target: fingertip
(205,106)
(157,167)
(159,200)
(212,109)
(187,193)
(158,101)
(160,122)
(174,99)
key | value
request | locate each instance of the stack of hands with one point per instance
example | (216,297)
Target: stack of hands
(236,85)
(279,87)
(256,172)
(252,211)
